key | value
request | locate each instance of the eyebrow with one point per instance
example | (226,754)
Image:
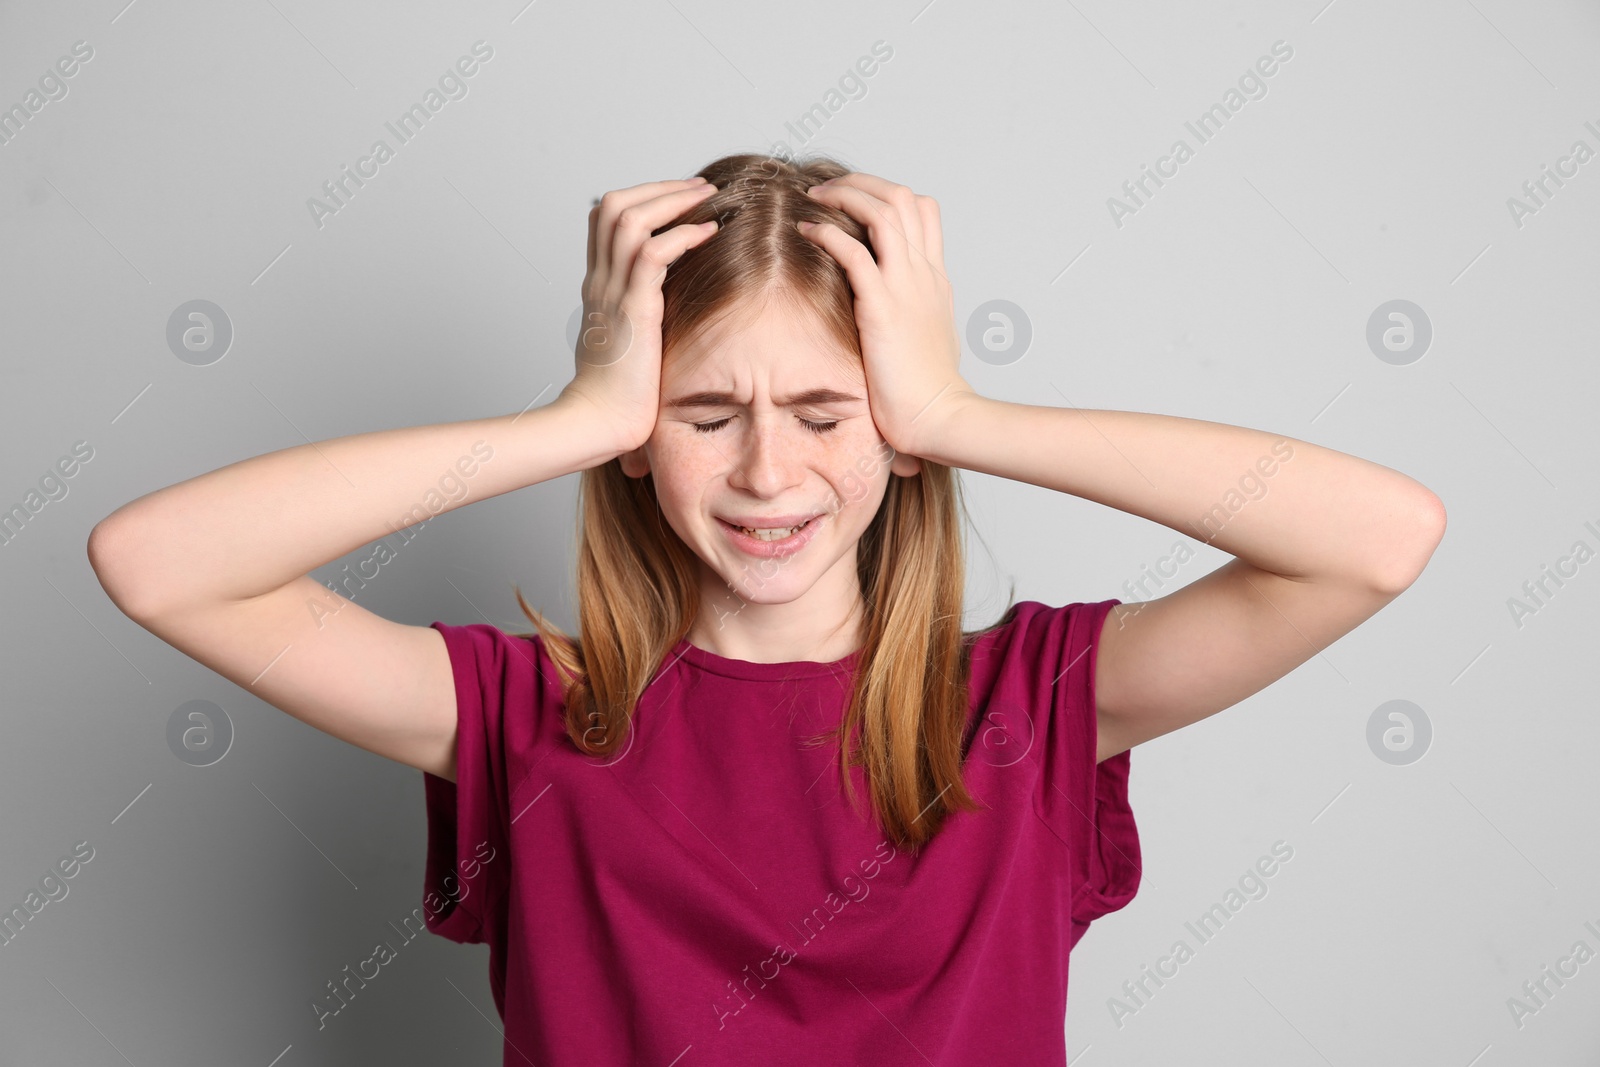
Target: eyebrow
(807,398)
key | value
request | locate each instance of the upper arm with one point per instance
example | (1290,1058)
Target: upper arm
(1169,662)
(380,685)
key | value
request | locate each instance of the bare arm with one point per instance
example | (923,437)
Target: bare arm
(218,566)
(1323,541)
(251,527)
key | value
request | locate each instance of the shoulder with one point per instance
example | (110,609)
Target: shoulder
(489,644)
(497,666)
(1040,659)
(1033,631)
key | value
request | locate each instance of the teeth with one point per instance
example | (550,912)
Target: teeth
(777,534)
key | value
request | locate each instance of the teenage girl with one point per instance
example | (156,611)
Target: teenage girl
(772,804)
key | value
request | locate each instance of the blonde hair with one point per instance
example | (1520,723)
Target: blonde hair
(637,586)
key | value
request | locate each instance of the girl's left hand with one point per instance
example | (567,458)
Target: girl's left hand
(904,305)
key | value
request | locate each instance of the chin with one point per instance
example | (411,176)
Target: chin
(754,586)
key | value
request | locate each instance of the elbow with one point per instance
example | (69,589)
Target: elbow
(107,554)
(1413,545)
(102,561)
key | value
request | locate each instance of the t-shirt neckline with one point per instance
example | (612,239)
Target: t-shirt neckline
(764,672)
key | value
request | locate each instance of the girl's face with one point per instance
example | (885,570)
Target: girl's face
(767,425)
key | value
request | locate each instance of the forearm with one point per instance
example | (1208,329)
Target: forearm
(252,526)
(1286,506)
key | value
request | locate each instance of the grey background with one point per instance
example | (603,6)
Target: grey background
(1377,167)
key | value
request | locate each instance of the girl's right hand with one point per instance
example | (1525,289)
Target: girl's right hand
(619,338)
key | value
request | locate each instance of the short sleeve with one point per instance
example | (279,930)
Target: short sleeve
(498,688)
(1084,803)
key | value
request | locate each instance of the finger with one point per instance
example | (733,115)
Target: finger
(603,215)
(887,230)
(864,274)
(902,205)
(597,248)
(932,231)
(920,234)
(878,187)
(660,252)
(594,219)
(632,225)
(924,237)
(608,333)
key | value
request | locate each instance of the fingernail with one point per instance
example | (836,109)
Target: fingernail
(805,227)
(697,178)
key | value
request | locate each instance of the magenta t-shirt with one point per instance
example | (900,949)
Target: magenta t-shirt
(708,896)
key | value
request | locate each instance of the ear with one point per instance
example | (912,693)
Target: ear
(905,465)
(635,464)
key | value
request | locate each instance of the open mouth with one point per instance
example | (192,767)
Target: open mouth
(774,533)
(779,542)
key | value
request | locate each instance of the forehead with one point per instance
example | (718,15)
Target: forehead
(774,340)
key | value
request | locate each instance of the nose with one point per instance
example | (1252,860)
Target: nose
(769,459)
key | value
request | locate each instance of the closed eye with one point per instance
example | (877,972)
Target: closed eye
(814,427)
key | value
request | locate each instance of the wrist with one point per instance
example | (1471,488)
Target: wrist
(932,429)
(586,420)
